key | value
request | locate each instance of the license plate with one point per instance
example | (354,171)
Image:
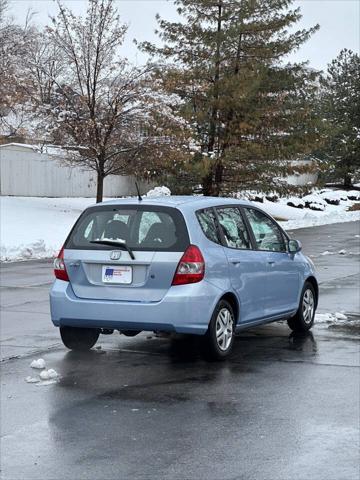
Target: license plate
(117,274)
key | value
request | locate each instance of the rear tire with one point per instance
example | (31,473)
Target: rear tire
(219,338)
(79,338)
(303,320)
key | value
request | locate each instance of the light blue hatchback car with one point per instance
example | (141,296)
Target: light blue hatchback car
(194,265)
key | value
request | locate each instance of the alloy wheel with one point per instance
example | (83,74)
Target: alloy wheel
(308,306)
(224,329)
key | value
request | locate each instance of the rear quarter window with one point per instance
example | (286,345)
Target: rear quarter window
(147,228)
(208,225)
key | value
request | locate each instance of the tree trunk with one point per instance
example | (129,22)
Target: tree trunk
(99,187)
(207,184)
(347,180)
(219,169)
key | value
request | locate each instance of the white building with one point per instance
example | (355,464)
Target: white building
(26,170)
(303,179)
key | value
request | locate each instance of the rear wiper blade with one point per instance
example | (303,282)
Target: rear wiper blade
(114,243)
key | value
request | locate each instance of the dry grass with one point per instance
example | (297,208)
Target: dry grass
(355,207)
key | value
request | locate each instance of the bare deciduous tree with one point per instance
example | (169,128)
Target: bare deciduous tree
(14,47)
(101,106)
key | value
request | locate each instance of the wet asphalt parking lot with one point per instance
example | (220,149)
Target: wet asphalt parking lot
(283,407)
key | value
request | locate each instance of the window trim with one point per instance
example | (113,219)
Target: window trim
(284,234)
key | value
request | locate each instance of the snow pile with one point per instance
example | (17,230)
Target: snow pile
(46,377)
(353,195)
(338,320)
(39,364)
(332,197)
(48,374)
(314,202)
(36,227)
(159,192)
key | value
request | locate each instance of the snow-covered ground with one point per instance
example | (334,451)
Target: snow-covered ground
(36,227)
(292,218)
(32,228)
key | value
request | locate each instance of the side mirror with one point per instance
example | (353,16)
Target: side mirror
(294,246)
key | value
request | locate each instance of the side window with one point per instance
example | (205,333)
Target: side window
(233,228)
(267,234)
(208,224)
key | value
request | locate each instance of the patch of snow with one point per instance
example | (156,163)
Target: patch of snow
(327,253)
(292,218)
(47,382)
(333,196)
(324,318)
(314,199)
(34,228)
(159,192)
(48,374)
(337,317)
(316,206)
(31,380)
(353,195)
(39,364)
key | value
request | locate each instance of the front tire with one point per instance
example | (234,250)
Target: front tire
(80,339)
(303,320)
(219,339)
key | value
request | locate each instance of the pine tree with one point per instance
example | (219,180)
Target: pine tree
(340,108)
(249,112)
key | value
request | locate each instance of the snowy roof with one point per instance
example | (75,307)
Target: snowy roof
(19,145)
(55,150)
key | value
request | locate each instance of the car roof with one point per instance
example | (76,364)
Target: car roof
(177,201)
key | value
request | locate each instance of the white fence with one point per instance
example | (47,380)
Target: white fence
(25,171)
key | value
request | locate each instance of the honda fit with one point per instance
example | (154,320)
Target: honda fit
(194,265)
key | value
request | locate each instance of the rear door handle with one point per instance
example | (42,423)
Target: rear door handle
(271,262)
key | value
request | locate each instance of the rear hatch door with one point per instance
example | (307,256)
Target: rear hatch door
(157,236)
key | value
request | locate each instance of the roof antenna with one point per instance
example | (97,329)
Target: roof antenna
(138,191)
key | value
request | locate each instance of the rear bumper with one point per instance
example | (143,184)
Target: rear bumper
(184,309)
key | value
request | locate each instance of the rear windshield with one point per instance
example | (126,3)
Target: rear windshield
(147,228)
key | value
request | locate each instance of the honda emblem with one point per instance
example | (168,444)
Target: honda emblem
(115,255)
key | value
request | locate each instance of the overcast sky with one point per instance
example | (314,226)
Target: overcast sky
(339,21)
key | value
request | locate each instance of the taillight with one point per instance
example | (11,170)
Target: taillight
(191,268)
(59,267)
